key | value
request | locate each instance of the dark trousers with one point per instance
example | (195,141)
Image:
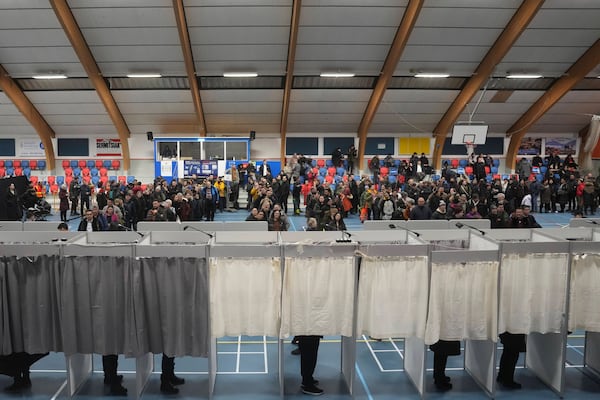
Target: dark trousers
(440,360)
(209,210)
(168,367)
(309,348)
(63,215)
(513,345)
(74,202)
(85,201)
(109,365)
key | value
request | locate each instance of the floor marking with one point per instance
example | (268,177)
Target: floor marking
(60,389)
(374,356)
(363,382)
(239,348)
(265,354)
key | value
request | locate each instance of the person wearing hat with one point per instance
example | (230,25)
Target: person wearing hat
(440,212)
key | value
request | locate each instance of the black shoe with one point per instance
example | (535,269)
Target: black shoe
(167,388)
(25,381)
(17,386)
(312,390)
(443,386)
(512,385)
(176,381)
(296,352)
(118,379)
(116,389)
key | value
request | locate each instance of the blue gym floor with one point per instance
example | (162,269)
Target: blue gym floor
(248,366)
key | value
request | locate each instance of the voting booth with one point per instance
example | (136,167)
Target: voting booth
(584,223)
(170,298)
(245,288)
(207,226)
(327,306)
(463,298)
(393,293)
(534,298)
(30,291)
(383,225)
(584,293)
(12,226)
(96,297)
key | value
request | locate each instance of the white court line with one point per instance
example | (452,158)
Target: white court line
(239,348)
(373,354)
(59,390)
(240,352)
(397,349)
(265,354)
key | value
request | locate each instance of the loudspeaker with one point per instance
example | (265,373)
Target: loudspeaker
(252,135)
(150,135)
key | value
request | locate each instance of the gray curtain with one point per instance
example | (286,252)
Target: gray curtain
(97,305)
(171,306)
(30,309)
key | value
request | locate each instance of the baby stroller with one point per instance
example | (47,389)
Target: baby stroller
(40,210)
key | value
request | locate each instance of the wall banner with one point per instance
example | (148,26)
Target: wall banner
(30,147)
(108,147)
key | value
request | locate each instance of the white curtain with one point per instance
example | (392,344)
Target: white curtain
(584,310)
(245,296)
(392,296)
(463,302)
(318,296)
(532,292)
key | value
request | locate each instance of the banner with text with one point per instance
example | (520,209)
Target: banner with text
(108,147)
(30,147)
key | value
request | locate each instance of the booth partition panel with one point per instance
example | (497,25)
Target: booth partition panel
(245,287)
(463,298)
(319,290)
(534,297)
(393,292)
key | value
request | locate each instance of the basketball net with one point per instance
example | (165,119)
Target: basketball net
(470,147)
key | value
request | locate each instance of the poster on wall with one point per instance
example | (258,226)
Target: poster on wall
(561,146)
(30,147)
(200,168)
(108,147)
(166,168)
(530,146)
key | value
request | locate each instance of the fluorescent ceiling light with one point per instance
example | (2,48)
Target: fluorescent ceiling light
(336,75)
(240,74)
(50,76)
(431,75)
(144,75)
(523,76)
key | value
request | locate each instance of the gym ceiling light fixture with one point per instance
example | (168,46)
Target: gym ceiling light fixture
(337,75)
(523,76)
(50,76)
(144,75)
(240,75)
(431,75)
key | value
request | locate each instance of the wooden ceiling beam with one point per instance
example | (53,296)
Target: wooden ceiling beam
(289,76)
(583,66)
(503,44)
(86,58)
(402,34)
(188,58)
(30,112)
